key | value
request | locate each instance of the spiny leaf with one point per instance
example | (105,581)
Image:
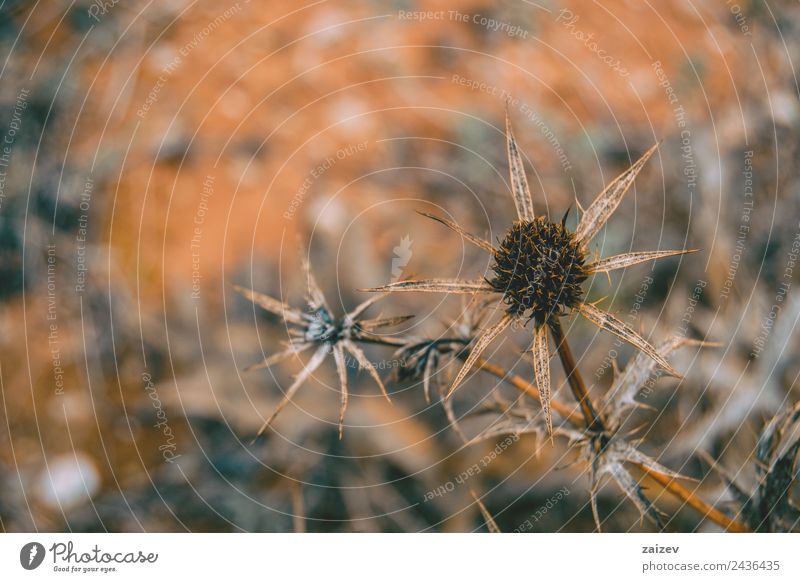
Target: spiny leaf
(272,305)
(519,182)
(480,345)
(316,298)
(363,306)
(491,524)
(628,259)
(541,369)
(436,286)
(606,203)
(372,324)
(477,241)
(365,364)
(627,384)
(610,323)
(341,368)
(430,365)
(510,426)
(631,488)
(293,350)
(310,367)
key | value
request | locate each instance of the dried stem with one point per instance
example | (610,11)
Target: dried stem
(578,420)
(593,419)
(588,416)
(526,387)
(682,493)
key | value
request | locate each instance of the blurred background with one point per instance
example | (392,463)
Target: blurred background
(153,153)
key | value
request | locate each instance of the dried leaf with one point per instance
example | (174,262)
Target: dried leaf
(341,368)
(627,383)
(436,286)
(778,452)
(293,350)
(628,259)
(430,366)
(631,488)
(606,203)
(310,367)
(363,306)
(519,182)
(491,524)
(365,364)
(372,324)
(594,487)
(447,405)
(621,450)
(480,345)
(608,322)
(316,298)
(477,241)
(541,369)
(510,426)
(273,305)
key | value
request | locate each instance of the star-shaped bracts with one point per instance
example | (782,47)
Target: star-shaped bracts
(539,267)
(317,329)
(610,453)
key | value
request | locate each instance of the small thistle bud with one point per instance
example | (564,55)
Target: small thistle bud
(539,268)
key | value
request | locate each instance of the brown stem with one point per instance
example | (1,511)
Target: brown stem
(681,492)
(668,483)
(593,419)
(526,387)
(589,416)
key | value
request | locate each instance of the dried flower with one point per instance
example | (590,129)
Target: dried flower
(608,453)
(539,268)
(422,358)
(317,328)
(773,505)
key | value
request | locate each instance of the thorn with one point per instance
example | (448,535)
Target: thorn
(564,219)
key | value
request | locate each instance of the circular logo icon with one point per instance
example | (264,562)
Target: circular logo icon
(31,555)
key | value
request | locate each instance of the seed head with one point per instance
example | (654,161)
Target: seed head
(539,269)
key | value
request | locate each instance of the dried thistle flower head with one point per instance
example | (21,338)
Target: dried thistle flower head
(317,328)
(539,268)
(423,358)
